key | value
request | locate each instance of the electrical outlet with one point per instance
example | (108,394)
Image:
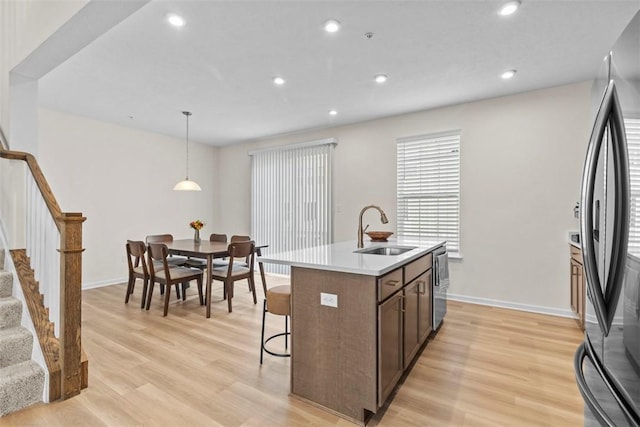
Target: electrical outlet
(330,300)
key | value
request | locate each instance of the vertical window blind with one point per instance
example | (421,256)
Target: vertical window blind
(428,188)
(291,197)
(632,127)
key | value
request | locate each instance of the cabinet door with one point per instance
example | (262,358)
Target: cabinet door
(411,334)
(389,345)
(574,286)
(425,318)
(580,294)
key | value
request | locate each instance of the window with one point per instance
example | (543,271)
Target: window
(632,127)
(429,188)
(291,197)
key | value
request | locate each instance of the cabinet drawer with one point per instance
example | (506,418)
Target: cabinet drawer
(389,283)
(576,254)
(417,267)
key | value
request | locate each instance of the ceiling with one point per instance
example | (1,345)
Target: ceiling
(143,73)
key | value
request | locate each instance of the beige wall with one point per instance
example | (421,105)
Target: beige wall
(521,161)
(122,180)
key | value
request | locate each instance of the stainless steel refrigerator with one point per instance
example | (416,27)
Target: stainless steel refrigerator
(607,364)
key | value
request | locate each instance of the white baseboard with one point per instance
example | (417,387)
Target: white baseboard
(514,306)
(102,283)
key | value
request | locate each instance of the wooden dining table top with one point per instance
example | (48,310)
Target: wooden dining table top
(206,247)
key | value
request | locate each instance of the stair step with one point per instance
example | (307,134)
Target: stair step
(10,312)
(6,284)
(1,259)
(15,346)
(21,385)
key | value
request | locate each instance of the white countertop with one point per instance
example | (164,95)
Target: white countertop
(341,256)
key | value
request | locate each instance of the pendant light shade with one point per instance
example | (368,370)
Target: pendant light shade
(187,184)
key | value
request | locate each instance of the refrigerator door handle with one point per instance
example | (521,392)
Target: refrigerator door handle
(605,303)
(615,281)
(622,399)
(589,399)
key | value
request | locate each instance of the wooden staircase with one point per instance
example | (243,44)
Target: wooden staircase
(53,247)
(21,378)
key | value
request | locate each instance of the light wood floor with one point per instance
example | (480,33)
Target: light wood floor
(486,367)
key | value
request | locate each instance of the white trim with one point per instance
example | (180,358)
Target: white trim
(103,283)
(413,138)
(514,306)
(325,141)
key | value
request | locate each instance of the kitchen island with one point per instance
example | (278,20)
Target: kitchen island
(358,320)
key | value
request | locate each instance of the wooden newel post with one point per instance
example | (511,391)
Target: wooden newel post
(71,302)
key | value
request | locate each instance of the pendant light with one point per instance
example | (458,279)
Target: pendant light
(187,185)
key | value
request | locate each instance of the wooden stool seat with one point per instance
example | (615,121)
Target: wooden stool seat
(278,302)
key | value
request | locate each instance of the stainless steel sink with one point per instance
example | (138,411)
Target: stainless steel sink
(385,250)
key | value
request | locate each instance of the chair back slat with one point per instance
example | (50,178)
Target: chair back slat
(159,252)
(218,238)
(135,255)
(159,238)
(244,249)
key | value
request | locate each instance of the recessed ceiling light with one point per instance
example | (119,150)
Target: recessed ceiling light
(331,26)
(333,112)
(509,8)
(175,20)
(278,80)
(509,74)
(381,78)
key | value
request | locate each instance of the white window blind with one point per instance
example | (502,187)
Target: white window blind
(429,188)
(632,127)
(291,198)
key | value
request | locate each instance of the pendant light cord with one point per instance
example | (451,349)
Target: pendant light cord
(187,113)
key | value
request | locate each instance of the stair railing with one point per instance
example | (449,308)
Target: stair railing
(53,243)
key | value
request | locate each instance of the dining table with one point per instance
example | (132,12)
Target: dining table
(208,250)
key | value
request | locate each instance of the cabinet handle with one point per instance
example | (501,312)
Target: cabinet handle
(393,283)
(421,287)
(402,303)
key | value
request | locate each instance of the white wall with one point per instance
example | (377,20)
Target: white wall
(24,25)
(122,180)
(521,162)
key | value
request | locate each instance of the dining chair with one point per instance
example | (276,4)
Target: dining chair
(167,238)
(239,238)
(167,276)
(136,251)
(233,272)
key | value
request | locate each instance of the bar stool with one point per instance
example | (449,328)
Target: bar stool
(277,301)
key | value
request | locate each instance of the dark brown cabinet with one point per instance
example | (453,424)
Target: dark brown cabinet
(417,315)
(425,320)
(410,302)
(390,345)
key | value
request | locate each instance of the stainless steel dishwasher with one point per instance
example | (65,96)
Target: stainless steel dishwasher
(440,285)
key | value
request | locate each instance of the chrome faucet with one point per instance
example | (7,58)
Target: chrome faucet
(383,219)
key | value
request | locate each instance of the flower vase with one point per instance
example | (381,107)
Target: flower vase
(196,237)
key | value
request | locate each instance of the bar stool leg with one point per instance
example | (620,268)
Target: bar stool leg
(264,313)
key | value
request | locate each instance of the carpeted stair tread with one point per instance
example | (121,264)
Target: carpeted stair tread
(16,345)
(6,284)
(10,312)
(21,385)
